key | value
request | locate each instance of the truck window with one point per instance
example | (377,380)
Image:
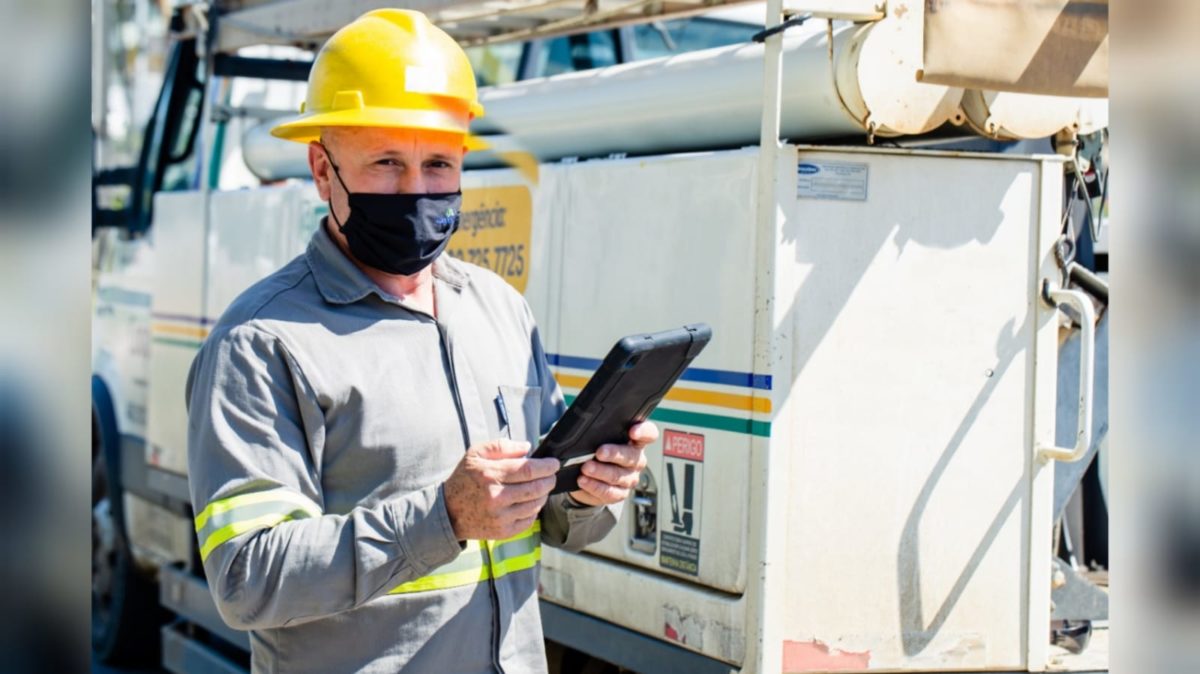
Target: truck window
(664,38)
(183,170)
(496,63)
(167,158)
(576,52)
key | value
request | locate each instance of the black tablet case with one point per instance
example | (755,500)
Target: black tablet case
(630,382)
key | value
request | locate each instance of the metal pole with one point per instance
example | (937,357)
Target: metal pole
(769,475)
(772,92)
(100,78)
(1087,279)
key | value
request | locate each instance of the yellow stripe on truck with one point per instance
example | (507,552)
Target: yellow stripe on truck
(731,401)
(182,330)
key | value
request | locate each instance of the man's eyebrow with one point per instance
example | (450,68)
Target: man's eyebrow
(398,154)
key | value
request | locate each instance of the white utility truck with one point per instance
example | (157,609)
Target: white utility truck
(881,461)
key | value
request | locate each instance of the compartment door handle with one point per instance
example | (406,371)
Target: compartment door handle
(1087,366)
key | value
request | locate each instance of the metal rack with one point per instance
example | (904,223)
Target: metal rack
(308,23)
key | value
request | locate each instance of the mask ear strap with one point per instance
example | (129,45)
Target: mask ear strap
(337,173)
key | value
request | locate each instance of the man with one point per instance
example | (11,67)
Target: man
(359,420)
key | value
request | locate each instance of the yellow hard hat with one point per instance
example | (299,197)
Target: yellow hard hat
(388,68)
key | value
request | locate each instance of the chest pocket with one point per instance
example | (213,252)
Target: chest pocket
(520,410)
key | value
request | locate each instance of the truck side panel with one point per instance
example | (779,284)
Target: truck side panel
(177,322)
(917,377)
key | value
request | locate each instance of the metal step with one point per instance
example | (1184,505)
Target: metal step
(187,597)
(183,655)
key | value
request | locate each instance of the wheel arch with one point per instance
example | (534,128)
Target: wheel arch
(106,439)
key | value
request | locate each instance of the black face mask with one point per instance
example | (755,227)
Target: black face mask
(397,233)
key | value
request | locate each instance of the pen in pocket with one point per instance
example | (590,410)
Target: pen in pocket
(502,410)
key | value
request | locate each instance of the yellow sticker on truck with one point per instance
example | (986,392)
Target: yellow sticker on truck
(494,232)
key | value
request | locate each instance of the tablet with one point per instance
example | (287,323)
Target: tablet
(630,382)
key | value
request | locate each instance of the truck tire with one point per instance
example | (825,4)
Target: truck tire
(125,611)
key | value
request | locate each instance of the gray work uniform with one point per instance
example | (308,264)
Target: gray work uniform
(324,415)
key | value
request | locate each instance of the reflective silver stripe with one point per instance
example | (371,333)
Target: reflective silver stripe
(227,518)
(470,559)
(249,512)
(471,566)
(515,548)
(468,568)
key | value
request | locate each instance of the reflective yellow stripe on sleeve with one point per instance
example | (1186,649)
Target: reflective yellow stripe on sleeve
(518,553)
(466,569)
(225,519)
(470,567)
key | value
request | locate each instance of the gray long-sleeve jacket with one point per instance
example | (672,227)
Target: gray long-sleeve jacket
(324,416)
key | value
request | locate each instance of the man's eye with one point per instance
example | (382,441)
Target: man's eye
(387,162)
(439,164)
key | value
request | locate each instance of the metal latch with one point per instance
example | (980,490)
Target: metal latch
(645,514)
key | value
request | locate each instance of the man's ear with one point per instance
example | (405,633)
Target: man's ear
(318,164)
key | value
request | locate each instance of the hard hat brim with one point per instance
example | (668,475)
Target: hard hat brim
(307,127)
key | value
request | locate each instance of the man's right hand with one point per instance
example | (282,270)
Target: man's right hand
(496,492)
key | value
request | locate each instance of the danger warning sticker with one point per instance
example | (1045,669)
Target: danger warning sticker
(684,445)
(683,464)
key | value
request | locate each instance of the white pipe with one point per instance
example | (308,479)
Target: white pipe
(698,99)
(1013,116)
(713,98)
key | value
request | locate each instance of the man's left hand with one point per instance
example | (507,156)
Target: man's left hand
(608,478)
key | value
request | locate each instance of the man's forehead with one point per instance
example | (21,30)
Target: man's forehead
(389,140)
